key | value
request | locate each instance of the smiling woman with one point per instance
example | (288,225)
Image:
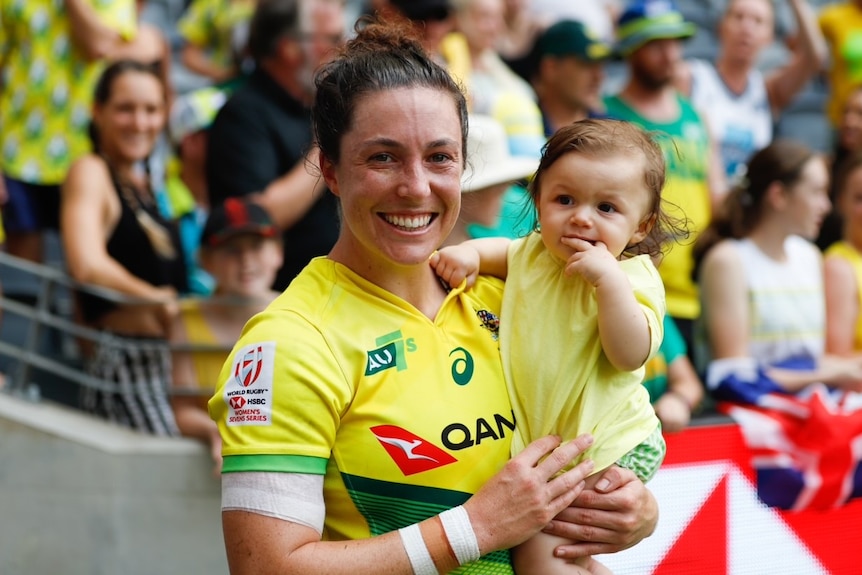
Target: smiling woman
(114,237)
(366,370)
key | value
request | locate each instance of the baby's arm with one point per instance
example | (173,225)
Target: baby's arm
(468,259)
(623,326)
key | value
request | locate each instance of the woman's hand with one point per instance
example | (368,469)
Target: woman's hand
(619,513)
(673,411)
(528,493)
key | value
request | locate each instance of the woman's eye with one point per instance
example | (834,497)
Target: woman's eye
(382,157)
(440,157)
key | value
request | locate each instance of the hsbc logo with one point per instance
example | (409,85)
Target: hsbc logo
(237,402)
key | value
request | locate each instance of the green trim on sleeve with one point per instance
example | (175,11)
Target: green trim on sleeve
(279,463)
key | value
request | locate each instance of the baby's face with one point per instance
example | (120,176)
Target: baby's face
(593,198)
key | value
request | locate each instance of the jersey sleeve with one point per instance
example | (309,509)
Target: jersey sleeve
(120,15)
(280,397)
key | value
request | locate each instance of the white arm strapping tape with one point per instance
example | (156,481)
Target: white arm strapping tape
(417,552)
(459,531)
(295,497)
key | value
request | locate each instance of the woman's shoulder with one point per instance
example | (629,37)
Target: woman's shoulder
(88,173)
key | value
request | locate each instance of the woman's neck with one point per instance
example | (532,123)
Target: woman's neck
(416,284)
(770,238)
(733,73)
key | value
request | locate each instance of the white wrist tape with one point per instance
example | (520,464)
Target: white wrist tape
(417,552)
(459,531)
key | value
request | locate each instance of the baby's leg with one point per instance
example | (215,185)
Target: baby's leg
(535,556)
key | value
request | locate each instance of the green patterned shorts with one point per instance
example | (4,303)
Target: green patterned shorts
(646,457)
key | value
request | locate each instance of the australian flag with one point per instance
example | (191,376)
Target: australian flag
(806,447)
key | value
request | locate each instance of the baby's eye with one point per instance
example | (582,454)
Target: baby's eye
(607,208)
(565,200)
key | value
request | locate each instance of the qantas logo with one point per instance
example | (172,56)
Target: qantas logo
(411,453)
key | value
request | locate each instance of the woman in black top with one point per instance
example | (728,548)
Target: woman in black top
(115,238)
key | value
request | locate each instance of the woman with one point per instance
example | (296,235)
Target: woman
(385,403)
(739,102)
(114,238)
(761,279)
(843,264)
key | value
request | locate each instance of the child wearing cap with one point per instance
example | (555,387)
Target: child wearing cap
(241,248)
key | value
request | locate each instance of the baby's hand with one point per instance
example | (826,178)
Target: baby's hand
(454,264)
(590,261)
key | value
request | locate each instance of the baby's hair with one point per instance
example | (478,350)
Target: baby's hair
(605,137)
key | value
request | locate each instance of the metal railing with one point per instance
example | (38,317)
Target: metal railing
(45,338)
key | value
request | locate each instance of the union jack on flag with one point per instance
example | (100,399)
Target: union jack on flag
(806,448)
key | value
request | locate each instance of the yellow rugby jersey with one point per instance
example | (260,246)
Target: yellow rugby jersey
(406,417)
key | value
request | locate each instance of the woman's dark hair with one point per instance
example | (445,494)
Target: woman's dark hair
(105,86)
(782,161)
(843,171)
(604,137)
(384,55)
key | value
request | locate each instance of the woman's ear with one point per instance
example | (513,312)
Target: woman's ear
(776,195)
(327,170)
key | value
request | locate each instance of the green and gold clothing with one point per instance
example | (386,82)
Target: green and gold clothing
(403,415)
(46,91)
(685,143)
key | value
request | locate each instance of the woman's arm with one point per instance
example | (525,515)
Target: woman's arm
(88,214)
(807,60)
(90,34)
(513,505)
(842,306)
(684,393)
(725,303)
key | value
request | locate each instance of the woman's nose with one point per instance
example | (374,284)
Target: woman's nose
(414,181)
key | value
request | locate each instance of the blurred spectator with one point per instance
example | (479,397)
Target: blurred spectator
(114,237)
(260,142)
(433,19)
(739,103)
(186,189)
(567,72)
(51,54)
(215,37)
(489,195)
(675,390)
(762,281)
(649,35)
(843,264)
(241,249)
(493,89)
(840,23)
(150,46)
(848,142)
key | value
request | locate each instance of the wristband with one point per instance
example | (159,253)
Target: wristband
(417,552)
(459,531)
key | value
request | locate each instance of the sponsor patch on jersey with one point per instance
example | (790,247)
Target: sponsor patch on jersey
(411,453)
(248,393)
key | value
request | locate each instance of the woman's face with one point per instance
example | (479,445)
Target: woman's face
(399,179)
(132,118)
(808,199)
(482,23)
(746,28)
(850,131)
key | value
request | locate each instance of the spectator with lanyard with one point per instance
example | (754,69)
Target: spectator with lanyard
(115,238)
(364,416)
